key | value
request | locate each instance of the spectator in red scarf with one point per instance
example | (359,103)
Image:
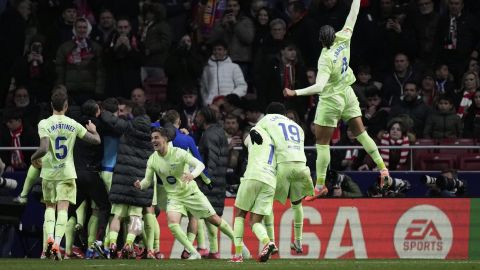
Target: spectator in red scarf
(16,134)
(79,64)
(395,159)
(470,83)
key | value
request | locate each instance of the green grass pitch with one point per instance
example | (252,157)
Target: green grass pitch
(278,264)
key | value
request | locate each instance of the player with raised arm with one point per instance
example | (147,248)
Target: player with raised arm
(255,195)
(336,98)
(293,175)
(57,139)
(183,195)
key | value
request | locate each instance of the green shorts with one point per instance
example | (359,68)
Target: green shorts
(124,210)
(196,204)
(293,181)
(331,109)
(255,197)
(107,179)
(59,190)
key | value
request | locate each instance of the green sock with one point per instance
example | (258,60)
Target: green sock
(156,235)
(113,235)
(45,237)
(92,229)
(70,235)
(32,175)
(259,230)
(191,237)
(201,234)
(226,229)
(323,159)
(181,237)
(107,179)
(238,228)
(106,239)
(269,222)
(60,225)
(130,238)
(81,213)
(50,221)
(213,236)
(297,221)
(372,149)
(149,220)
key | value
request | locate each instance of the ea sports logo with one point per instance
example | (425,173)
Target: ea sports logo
(424,231)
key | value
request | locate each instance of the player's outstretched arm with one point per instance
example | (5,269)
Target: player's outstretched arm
(352,16)
(317,88)
(42,149)
(91,136)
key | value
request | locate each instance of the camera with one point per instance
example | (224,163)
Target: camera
(443,183)
(335,179)
(393,188)
(8,183)
(228,11)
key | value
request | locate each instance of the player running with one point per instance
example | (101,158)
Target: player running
(336,98)
(183,195)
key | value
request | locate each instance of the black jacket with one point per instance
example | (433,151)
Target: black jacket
(213,147)
(133,153)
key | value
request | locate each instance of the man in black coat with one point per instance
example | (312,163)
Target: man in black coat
(213,147)
(133,152)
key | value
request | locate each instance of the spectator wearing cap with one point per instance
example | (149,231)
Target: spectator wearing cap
(16,134)
(428,88)
(62,31)
(79,65)
(221,76)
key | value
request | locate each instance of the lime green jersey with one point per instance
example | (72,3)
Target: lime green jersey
(62,132)
(335,62)
(288,137)
(170,168)
(262,163)
(334,74)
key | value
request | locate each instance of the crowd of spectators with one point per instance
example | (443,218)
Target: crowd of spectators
(416,63)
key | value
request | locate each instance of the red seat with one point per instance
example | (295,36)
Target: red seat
(156,90)
(418,152)
(436,161)
(469,162)
(457,142)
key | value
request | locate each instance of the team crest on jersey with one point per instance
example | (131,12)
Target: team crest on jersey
(171,180)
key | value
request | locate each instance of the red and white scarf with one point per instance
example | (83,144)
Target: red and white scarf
(16,157)
(385,153)
(465,103)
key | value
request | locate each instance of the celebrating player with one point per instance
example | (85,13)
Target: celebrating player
(255,195)
(57,138)
(293,175)
(183,194)
(336,98)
